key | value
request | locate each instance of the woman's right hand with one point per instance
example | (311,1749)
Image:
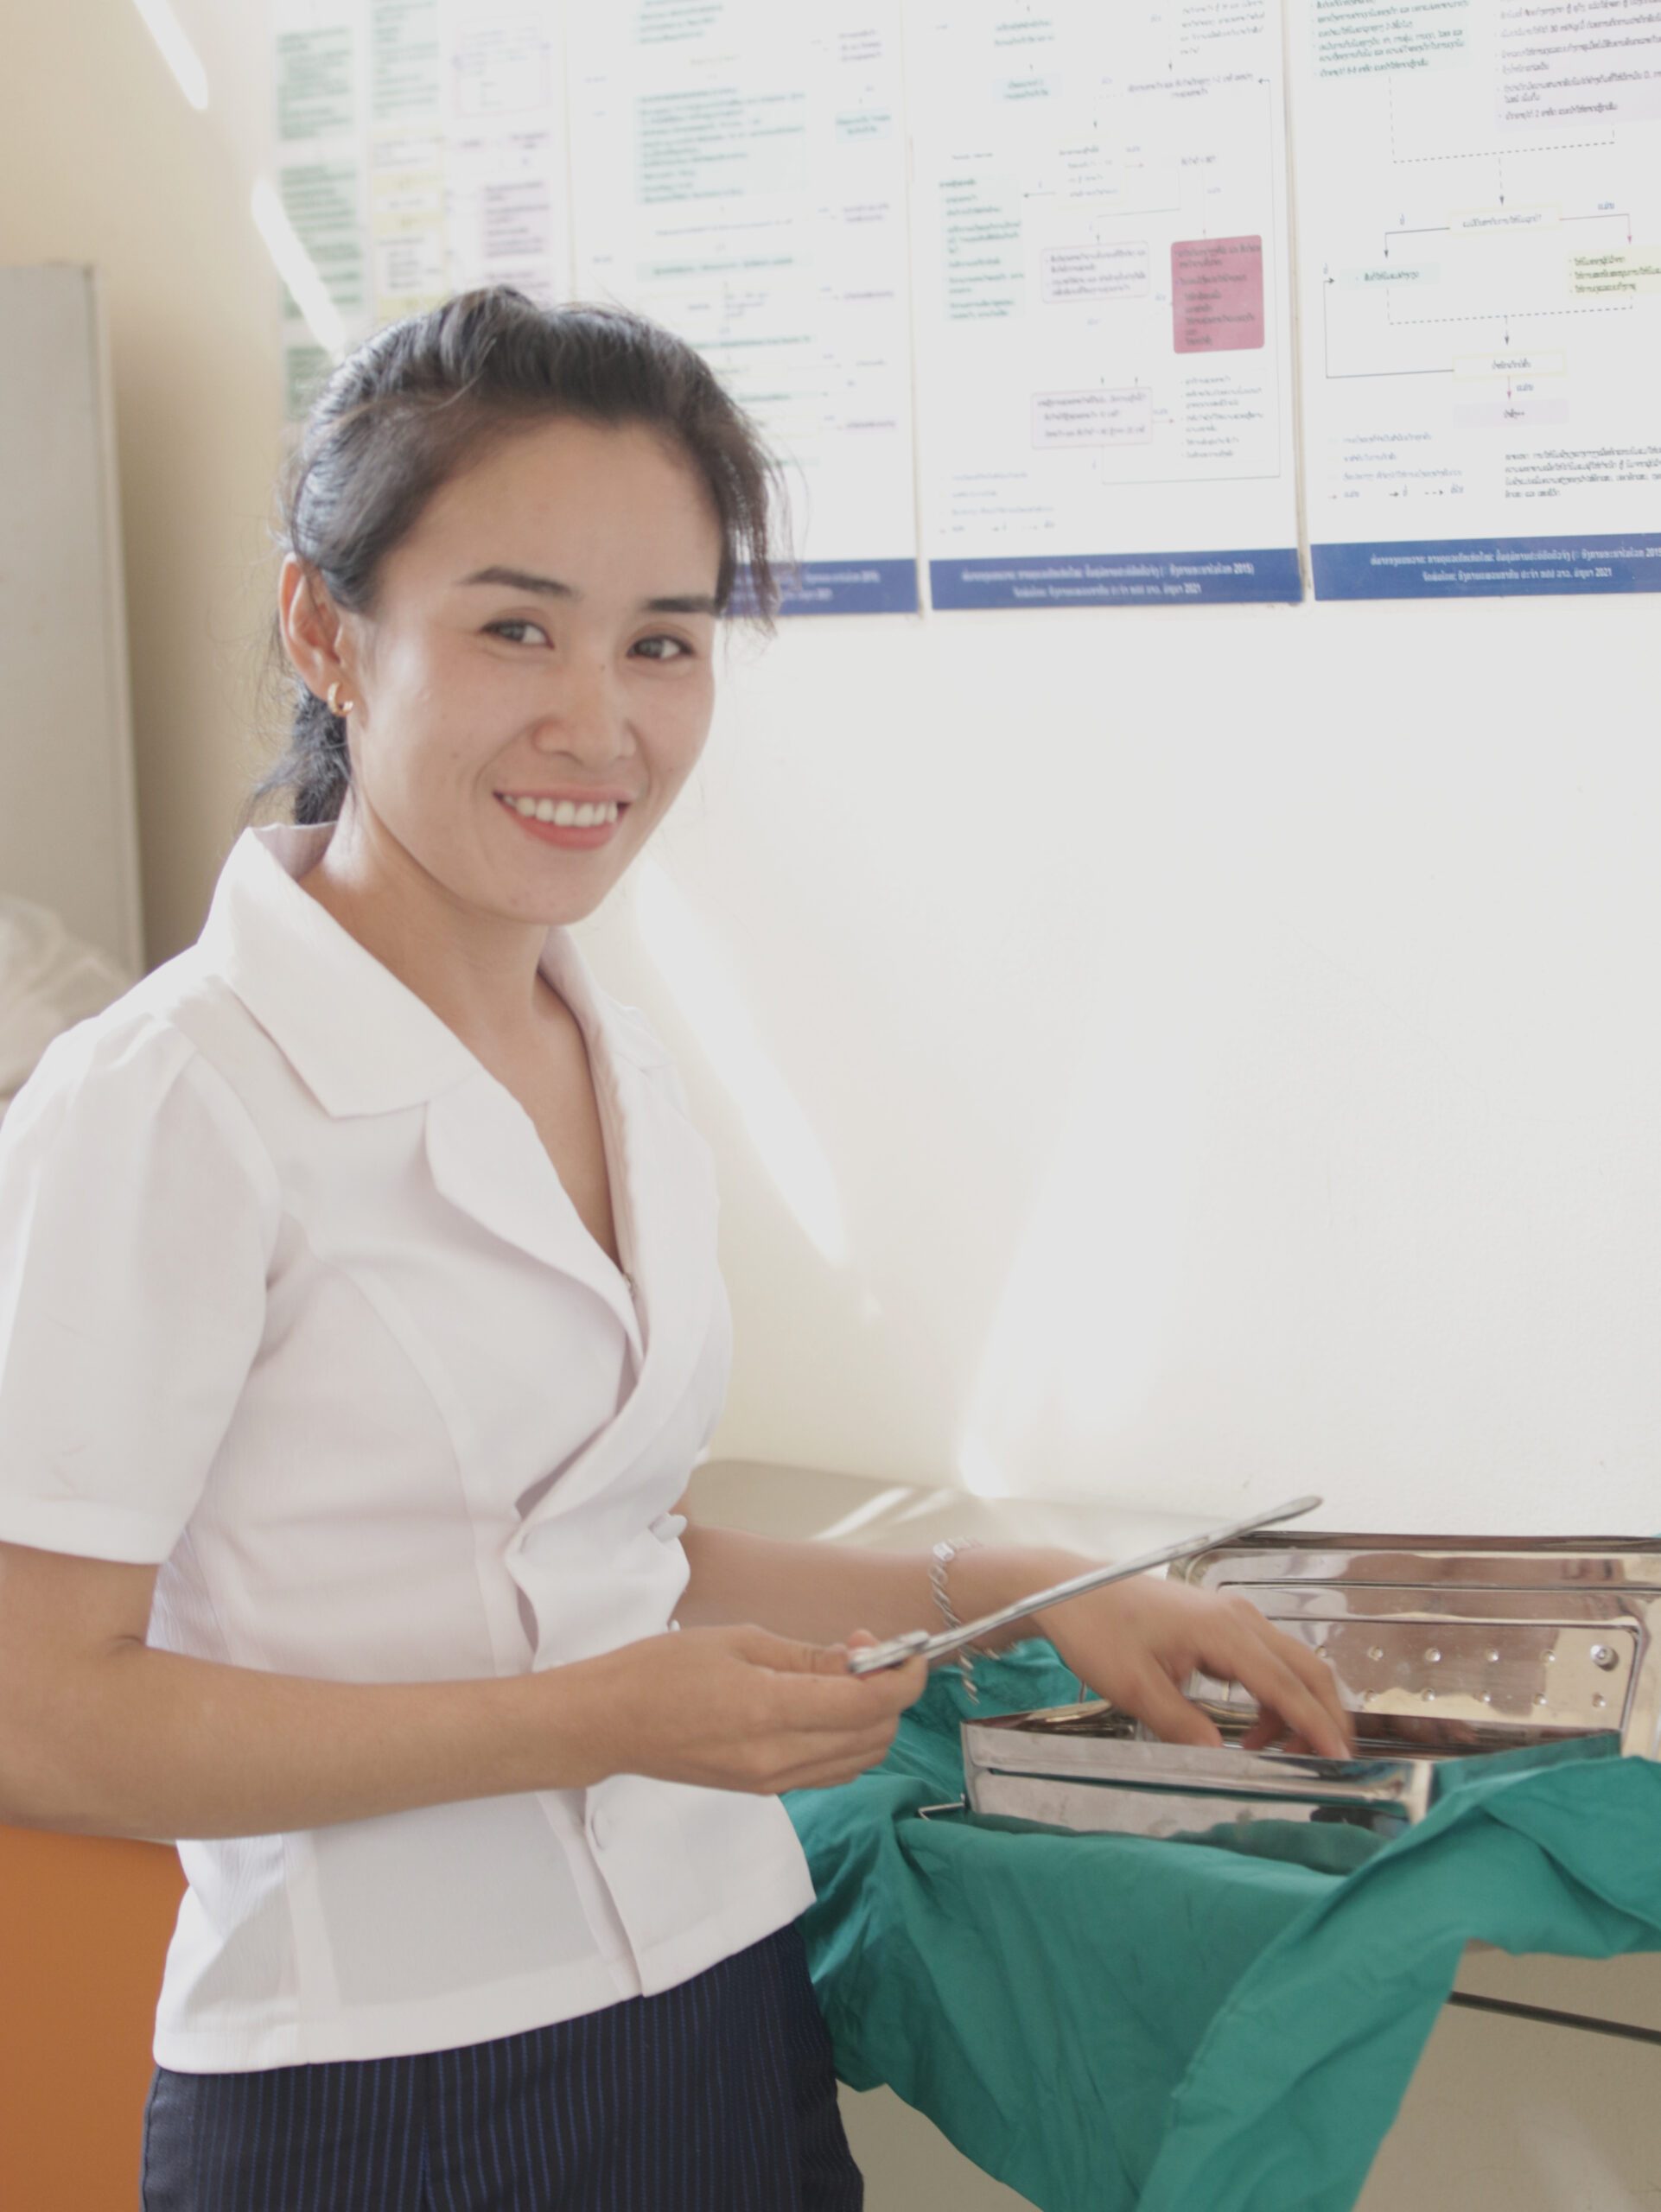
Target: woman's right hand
(735,1708)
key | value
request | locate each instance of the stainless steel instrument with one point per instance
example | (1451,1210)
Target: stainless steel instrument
(1444,1648)
(918,1643)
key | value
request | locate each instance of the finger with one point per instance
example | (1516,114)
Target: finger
(1314,1669)
(1280,1692)
(820,1777)
(909,1681)
(1316,1673)
(900,1685)
(787,1655)
(906,1690)
(1269,1730)
(847,1702)
(853,1756)
(1154,1698)
(894,1688)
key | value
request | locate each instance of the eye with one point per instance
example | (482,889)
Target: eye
(518,622)
(679,648)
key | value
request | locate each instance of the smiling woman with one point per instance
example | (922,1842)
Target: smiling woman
(487,701)
(360,1325)
(429,1245)
(429,399)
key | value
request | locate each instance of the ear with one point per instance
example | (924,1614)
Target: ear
(313,630)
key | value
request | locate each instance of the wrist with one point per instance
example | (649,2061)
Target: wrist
(985,1580)
(558,1727)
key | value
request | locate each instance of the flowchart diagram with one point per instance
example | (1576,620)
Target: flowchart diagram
(1479,194)
(1100,268)
(740,173)
(420,147)
(1083,304)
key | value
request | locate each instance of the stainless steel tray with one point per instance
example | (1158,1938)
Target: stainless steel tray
(1444,1647)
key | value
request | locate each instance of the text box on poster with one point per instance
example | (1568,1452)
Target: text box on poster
(1216,294)
(1114,417)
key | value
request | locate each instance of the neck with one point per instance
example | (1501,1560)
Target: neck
(478,971)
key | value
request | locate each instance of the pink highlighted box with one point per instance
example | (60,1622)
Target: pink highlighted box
(1216,294)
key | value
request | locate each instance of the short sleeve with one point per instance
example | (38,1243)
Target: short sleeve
(138,1211)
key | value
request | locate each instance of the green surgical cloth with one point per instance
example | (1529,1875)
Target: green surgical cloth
(1107,2022)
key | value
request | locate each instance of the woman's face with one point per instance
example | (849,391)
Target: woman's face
(541,645)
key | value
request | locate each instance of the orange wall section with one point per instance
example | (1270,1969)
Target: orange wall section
(85,1923)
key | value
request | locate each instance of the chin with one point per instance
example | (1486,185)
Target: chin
(558,906)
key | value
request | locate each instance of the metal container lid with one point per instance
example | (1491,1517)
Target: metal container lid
(1462,1641)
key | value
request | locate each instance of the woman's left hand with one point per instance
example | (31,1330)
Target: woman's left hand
(1135,1642)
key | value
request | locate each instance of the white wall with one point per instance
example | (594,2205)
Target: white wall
(1230,1034)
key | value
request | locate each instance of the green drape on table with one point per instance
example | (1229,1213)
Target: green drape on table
(1114,2022)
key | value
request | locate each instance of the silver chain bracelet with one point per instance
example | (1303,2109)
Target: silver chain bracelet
(940,1557)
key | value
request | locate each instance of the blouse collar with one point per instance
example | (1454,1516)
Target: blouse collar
(362,1041)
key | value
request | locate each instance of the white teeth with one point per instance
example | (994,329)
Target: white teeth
(565,812)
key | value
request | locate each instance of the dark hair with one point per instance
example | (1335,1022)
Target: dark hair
(421,398)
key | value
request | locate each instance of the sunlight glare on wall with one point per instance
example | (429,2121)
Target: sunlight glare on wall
(296,269)
(862,1515)
(177,52)
(700,981)
(1084,1317)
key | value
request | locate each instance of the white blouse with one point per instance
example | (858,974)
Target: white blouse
(294,1304)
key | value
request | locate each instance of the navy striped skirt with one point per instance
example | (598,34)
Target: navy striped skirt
(718,2095)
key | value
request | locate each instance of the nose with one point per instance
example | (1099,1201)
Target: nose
(586,717)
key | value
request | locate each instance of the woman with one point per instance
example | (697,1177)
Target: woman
(360,1324)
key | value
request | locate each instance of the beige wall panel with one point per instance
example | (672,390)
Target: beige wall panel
(101,160)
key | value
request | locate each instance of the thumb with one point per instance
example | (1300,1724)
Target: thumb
(786,1656)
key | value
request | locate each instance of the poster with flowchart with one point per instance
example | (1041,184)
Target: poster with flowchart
(1480,272)
(319,113)
(1101,274)
(739,175)
(421,148)
(1012,291)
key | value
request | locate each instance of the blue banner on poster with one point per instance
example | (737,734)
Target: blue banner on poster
(1116,579)
(838,588)
(1460,568)
(850,587)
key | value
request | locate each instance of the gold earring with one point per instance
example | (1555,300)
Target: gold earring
(341,707)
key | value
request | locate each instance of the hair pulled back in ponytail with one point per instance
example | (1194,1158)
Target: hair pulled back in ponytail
(422,400)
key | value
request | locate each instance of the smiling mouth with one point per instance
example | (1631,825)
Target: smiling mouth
(564,813)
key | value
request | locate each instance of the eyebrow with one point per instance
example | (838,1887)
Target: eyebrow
(550,586)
